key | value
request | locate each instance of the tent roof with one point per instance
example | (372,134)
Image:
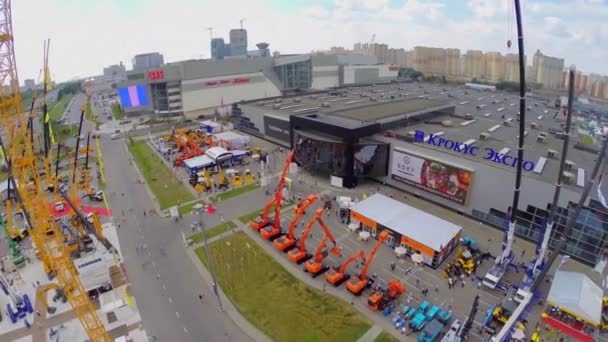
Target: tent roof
(200,161)
(578,294)
(418,225)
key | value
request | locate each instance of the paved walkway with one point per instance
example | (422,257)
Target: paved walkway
(371,334)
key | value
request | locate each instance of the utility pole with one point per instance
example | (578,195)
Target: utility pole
(199,209)
(241,21)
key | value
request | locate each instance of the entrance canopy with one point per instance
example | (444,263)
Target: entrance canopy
(399,217)
(575,293)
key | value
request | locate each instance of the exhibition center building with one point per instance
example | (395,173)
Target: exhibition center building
(450,145)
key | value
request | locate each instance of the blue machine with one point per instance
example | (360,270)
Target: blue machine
(405,309)
(444,316)
(424,305)
(432,332)
(432,312)
(410,313)
(387,310)
(418,322)
(19,305)
(398,321)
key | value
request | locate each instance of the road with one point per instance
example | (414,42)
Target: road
(74,108)
(165,283)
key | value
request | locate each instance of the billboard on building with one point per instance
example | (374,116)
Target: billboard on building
(435,177)
(276,128)
(133,96)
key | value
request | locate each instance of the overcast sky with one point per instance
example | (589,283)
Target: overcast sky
(87,35)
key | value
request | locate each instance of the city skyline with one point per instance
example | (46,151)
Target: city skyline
(86,37)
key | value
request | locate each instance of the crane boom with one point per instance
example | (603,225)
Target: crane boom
(344,266)
(306,233)
(20,159)
(319,252)
(383,236)
(300,210)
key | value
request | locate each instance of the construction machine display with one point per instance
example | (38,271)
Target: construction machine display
(300,254)
(380,299)
(356,285)
(286,242)
(337,276)
(264,219)
(315,266)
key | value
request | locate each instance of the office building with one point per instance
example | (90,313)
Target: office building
(117,72)
(547,70)
(238,42)
(219,48)
(29,84)
(147,60)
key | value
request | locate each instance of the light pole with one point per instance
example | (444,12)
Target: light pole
(199,209)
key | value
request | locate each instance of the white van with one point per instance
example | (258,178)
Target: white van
(115,136)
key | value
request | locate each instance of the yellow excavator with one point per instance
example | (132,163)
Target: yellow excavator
(248,177)
(237,179)
(222,181)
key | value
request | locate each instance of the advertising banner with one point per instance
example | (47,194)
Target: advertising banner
(435,177)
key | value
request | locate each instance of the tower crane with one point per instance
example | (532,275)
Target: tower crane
(338,276)
(241,22)
(210,29)
(286,242)
(315,266)
(264,220)
(17,150)
(356,285)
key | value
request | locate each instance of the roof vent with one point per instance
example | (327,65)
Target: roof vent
(373,99)
(533,125)
(325,104)
(484,136)
(447,123)
(297,99)
(568,178)
(276,106)
(363,95)
(411,134)
(507,122)
(552,154)
(468,115)
(569,165)
(540,138)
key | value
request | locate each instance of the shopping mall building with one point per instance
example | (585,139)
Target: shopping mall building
(452,146)
(196,87)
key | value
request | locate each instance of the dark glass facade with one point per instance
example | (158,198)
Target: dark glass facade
(587,240)
(340,159)
(296,75)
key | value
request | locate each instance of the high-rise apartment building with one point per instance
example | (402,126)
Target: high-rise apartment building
(380,51)
(474,64)
(29,84)
(452,62)
(398,57)
(580,81)
(118,72)
(430,60)
(147,60)
(547,70)
(511,61)
(495,67)
(238,42)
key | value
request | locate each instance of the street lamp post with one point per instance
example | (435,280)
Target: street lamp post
(199,209)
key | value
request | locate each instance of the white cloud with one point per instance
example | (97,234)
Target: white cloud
(86,36)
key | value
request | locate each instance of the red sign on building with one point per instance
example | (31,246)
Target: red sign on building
(393,67)
(228,82)
(154,75)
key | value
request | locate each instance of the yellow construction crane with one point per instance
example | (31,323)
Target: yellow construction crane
(17,151)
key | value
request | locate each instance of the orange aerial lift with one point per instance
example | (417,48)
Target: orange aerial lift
(264,220)
(338,276)
(190,151)
(299,254)
(383,297)
(315,266)
(286,242)
(356,285)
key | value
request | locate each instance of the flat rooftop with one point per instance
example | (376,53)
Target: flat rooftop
(372,113)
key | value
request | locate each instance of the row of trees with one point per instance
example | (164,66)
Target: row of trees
(68,88)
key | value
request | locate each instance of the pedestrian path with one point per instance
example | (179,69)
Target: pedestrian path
(371,334)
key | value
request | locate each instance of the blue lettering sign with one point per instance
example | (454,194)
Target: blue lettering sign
(496,157)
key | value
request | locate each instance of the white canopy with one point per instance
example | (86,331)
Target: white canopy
(578,294)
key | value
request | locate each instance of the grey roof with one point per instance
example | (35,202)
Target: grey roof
(578,294)
(408,221)
(193,69)
(385,110)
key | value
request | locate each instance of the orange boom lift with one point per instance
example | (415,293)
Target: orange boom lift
(264,220)
(286,242)
(315,266)
(337,277)
(381,298)
(356,285)
(299,254)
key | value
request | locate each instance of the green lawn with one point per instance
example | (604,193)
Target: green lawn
(215,231)
(57,109)
(235,192)
(275,301)
(64,132)
(248,217)
(90,115)
(386,337)
(167,188)
(117,111)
